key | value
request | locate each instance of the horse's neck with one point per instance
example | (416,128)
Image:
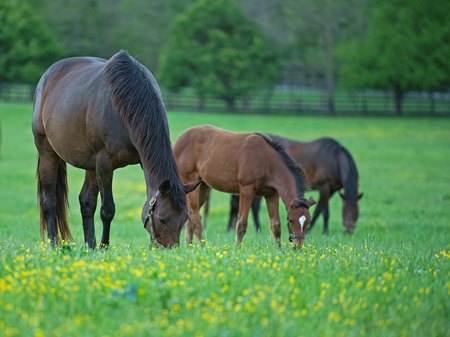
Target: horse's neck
(150,182)
(284,182)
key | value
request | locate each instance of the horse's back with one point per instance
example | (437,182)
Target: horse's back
(62,80)
(218,156)
(319,159)
(72,110)
(57,73)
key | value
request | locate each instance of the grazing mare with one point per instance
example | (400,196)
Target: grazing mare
(99,115)
(246,164)
(329,167)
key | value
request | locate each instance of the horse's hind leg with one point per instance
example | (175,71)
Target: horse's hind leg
(104,172)
(234,209)
(245,201)
(195,200)
(206,208)
(88,204)
(50,172)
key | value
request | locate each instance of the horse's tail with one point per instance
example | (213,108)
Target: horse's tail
(348,174)
(62,205)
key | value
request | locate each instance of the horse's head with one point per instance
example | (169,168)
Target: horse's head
(162,218)
(298,220)
(350,213)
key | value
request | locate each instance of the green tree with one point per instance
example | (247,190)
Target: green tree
(27,46)
(216,50)
(102,28)
(319,27)
(407,48)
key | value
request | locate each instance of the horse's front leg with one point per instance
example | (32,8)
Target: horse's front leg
(104,171)
(323,197)
(274,216)
(245,201)
(88,204)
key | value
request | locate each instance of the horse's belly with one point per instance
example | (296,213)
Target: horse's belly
(78,154)
(220,178)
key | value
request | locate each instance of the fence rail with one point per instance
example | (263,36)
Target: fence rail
(13,92)
(287,100)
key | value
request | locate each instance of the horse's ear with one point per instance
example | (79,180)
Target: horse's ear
(360,195)
(342,195)
(311,202)
(164,188)
(189,187)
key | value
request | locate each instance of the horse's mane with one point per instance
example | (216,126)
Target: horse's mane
(137,97)
(350,176)
(297,171)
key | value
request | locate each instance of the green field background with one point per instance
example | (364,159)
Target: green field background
(391,278)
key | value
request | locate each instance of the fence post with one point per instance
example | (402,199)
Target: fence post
(432,107)
(201,102)
(32,93)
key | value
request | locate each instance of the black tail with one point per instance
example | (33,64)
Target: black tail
(62,205)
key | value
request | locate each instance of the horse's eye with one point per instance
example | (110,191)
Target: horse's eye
(162,221)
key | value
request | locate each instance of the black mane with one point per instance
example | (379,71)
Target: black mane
(349,177)
(347,171)
(137,97)
(296,170)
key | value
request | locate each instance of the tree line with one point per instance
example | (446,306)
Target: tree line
(232,48)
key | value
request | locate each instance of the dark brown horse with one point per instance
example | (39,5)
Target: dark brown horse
(329,168)
(245,164)
(100,115)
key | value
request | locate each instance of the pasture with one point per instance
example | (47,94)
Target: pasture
(391,278)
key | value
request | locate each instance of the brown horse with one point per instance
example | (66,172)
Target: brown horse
(329,167)
(246,164)
(100,115)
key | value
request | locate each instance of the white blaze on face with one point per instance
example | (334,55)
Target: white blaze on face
(302,220)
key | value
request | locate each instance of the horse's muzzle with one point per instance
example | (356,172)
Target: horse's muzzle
(297,240)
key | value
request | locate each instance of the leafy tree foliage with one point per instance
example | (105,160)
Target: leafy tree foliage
(406,49)
(309,33)
(216,50)
(102,28)
(27,46)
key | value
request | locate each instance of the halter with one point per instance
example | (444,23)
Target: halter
(295,236)
(152,205)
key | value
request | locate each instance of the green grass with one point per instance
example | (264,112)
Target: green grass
(389,279)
